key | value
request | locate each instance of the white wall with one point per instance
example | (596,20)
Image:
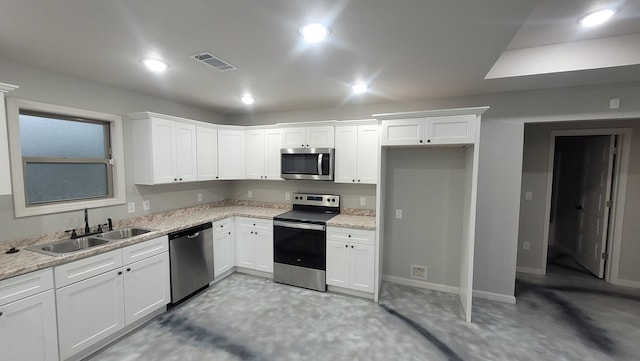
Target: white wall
(54,88)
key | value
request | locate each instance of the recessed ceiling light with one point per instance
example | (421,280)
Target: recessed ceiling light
(597,18)
(313,33)
(247,99)
(359,88)
(155,64)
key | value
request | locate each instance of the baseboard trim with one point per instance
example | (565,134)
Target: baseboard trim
(254,272)
(627,283)
(530,270)
(348,292)
(420,284)
(494,296)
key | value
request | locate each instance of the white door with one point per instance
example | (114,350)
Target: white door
(231,154)
(346,154)
(361,267)
(163,148)
(89,311)
(245,248)
(320,137)
(223,252)
(368,140)
(28,329)
(593,210)
(273,144)
(293,138)
(146,286)
(207,153)
(408,131)
(338,264)
(451,129)
(263,250)
(186,158)
(254,156)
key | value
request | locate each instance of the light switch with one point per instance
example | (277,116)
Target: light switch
(287,196)
(250,194)
(131,207)
(363,201)
(199,196)
(398,213)
(145,205)
(528,196)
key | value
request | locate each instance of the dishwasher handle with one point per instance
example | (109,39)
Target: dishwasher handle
(193,235)
(191,232)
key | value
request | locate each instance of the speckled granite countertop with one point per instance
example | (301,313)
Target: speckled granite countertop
(27,261)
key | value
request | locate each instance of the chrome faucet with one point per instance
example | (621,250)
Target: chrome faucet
(87,229)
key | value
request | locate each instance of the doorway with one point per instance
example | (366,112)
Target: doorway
(585,194)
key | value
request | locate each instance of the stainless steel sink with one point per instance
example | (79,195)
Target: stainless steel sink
(60,248)
(124,233)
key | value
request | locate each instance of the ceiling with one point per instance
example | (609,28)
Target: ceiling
(405,50)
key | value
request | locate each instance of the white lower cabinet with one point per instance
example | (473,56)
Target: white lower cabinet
(224,253)
(350,258)
(132,283)
(254,244)
(28,318)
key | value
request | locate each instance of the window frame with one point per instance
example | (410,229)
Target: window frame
(117,182)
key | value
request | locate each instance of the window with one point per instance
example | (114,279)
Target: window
(63,158)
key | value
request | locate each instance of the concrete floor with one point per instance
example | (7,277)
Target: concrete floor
(567,315)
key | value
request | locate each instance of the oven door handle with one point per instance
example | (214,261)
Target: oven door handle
(313,227)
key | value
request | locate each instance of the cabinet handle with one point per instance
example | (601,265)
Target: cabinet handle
(256,233)
(352,246)
(307,145)
(0,313)
(302,145)
(420,140)
(229,232)
(119,272)
(251,232)
(346,245)
(353,180)
(358,180)
(129,269)
(180,178)
(175,179)
(428,140)
(216,177)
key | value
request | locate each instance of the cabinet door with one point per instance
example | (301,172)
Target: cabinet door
(367,163)
(223,252)
(294,138)
(452,129)
(231,154)
(254,156)
(245,248)
(186,159)
(338,264)
(28,329)
(320,137)
(346,154)
(361,267)
(207,153)
(163,144)
(89,311)
(146,286)
(273,144)
(403,131)
(263,250)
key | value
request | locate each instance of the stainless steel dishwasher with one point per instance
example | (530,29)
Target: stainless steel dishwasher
(191,255)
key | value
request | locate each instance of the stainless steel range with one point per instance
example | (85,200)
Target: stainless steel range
(299,241)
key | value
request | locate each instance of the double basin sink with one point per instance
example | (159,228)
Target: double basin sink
(66,246)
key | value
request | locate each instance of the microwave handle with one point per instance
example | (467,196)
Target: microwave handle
(320,163)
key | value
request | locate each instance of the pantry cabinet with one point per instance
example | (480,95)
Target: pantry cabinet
(28,318)
(254,244)
(350,258)
(231,153)
(164,149)
(309,137)
(100,295)
(263,153)
(430,130)
(207,152)
(223,247)
(356,154)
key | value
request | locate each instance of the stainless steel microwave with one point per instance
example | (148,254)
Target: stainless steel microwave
(307,163)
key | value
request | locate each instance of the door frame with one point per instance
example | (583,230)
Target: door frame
(619,190)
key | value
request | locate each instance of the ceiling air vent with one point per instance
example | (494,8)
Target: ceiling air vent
(214,61)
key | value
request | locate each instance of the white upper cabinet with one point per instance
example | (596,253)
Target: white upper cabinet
(164,149)
(356,154)
(231,154)
(430,130)
(5,175)
(263,153)
(310,137)
(207,152)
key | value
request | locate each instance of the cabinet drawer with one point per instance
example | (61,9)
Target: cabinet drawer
(255,223)
(222,226)
(145,249)
(15,288)
(361,236)
(88,267)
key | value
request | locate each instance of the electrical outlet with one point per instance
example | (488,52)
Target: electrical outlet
(363,201)
(131,207)
(528,196)
(199,196)
(419,272)
(614,103)
(398,213)
(145,205)
(287,196)
(250,194)
(526,246)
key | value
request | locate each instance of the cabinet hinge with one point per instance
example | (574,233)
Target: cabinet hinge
(112,162)
(605,255)
(608,204)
